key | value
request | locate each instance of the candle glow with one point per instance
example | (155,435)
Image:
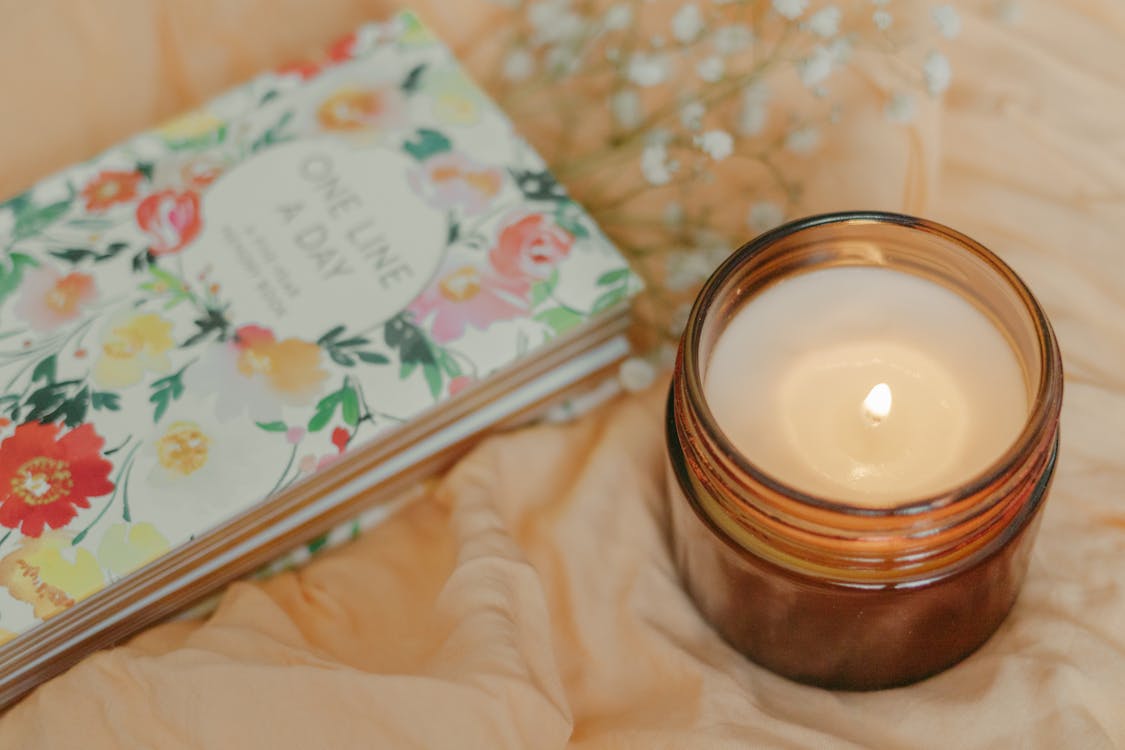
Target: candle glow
(877,405)
(807,347)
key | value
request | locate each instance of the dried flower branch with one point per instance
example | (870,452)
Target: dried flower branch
(640,105)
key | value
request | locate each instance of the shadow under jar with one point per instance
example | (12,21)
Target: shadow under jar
(855,483)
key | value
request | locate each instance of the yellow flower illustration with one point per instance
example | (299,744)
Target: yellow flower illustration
(126,547)
(5,636)
(457,100)
(183,449)
(50,574)
(193,128)
(132,345)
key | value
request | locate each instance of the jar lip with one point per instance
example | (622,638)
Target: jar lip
(1045,406)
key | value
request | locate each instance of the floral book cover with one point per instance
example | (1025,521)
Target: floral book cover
(197,319)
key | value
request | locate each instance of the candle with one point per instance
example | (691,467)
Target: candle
(865,385)
(862,429)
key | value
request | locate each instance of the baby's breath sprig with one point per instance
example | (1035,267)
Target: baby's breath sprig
(686,127)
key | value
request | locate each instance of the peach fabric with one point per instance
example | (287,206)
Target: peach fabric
(529,601)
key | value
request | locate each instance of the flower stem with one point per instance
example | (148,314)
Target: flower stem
(121,472)
(284,472)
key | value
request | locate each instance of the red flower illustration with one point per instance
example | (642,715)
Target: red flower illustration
(44,477)
(459,383)
(340,438)
(339,51)
(171,220)
(342,49)
(306,69)
(110,187)
(530,248)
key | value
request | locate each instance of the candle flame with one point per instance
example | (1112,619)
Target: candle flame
(877,405)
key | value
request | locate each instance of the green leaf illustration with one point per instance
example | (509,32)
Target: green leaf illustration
(541,290)
(275,134)
(74,411)
(349,407)
(214,321)
(196,142)
(165,391)
(569,217)
(75,255)
(272,426)
(105,400)
(316,544)
(67,400)
(538,185)
(433,378)
(34,220)
(373,358)
(143,260)
(17,203)
(613,277)
(609,299)
(413,79)
(168,285)
(426,143)
(449,364)
(10,278)
(325,408)
(345,352)
(45,370)
(330,336)
(559,319)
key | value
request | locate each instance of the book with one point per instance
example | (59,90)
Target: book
(226,335)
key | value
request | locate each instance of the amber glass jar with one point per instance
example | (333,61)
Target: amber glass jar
(829,593)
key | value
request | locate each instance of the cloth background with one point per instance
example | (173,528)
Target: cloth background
(530,601)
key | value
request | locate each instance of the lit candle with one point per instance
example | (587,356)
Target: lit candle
(862,428)
(865,385)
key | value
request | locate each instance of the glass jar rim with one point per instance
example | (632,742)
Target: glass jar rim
(1044,407)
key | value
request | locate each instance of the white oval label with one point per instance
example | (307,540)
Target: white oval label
(316,233)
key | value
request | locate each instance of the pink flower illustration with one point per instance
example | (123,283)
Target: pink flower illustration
(530,247)
(49,299)
(452,180)
(459,383)
(464,295)
(310,463)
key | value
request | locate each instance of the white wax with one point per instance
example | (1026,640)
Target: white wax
(866,385)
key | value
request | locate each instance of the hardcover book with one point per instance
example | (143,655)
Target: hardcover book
(224,336)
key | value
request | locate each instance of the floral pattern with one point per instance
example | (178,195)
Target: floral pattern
(126,547)
(132,345)
(45,477)
(466,295)
(254,371)
(139,409)
(352,108)
(453,181)
(530,248)
(171,220)
(111,187)
(39,573)
(50,299)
